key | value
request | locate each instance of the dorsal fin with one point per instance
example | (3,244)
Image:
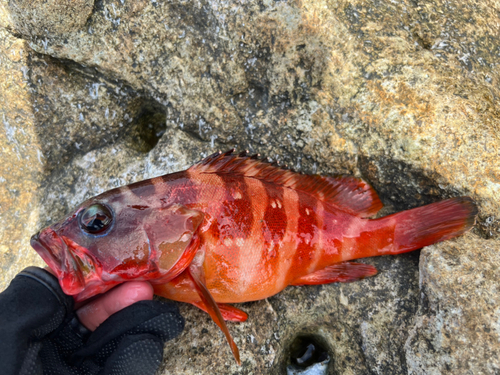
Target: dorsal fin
(347,193)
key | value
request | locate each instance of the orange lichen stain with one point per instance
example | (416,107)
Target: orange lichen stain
(312,22)
(494,174)
(404,99)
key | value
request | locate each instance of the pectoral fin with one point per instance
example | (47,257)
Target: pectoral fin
(196,274)
(228,312)
(344,272)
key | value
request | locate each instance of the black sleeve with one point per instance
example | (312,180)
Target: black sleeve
(40,333)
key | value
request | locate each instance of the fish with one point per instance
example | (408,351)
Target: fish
(234,228)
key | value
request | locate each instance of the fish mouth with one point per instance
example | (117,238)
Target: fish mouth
(54,251)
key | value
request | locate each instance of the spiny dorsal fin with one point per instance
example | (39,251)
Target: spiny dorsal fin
(347,193)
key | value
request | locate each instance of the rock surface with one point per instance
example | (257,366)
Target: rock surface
(404,94)
(41,18)
(21,170)
(459,301)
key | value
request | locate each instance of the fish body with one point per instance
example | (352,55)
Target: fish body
(235,229)
(257,237)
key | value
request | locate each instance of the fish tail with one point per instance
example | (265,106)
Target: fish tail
(436,222)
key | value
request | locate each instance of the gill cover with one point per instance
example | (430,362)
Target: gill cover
(171,237)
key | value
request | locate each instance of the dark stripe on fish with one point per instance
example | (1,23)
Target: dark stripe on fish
(236,217)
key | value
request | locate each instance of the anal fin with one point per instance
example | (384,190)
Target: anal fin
(228,312)
(344,272)
(196,274)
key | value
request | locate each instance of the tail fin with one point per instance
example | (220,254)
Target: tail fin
(433,223)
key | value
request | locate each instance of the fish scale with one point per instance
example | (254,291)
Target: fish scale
(233,229)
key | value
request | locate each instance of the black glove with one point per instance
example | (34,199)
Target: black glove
(40,334)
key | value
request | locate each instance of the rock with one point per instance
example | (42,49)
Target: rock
(40,18)
(21,170)
(51,112)
(344,75)
(457,325)
(403,94)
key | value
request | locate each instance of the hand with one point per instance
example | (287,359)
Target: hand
(92,314)
(41,333)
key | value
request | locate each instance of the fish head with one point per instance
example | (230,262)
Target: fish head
(105,242)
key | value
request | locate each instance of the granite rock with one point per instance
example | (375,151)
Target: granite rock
(459,301)
(401,93)
(52,112)
(21,170)
(353,86)
(41,18)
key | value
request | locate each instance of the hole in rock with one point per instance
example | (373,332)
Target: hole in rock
(147,130)
(308,355)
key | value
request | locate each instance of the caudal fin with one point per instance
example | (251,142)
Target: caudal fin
(433,223)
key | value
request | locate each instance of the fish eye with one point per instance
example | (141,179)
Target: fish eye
(96,218)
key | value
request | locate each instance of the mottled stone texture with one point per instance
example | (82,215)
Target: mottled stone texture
(458,302)
(402,93)
(22,164)
(40,18)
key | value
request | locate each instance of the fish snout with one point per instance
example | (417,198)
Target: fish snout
(46,250)
(54,251)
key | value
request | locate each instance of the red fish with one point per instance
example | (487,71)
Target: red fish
(233,229)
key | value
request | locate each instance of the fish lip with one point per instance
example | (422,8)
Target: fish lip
(54,251)
(45,252)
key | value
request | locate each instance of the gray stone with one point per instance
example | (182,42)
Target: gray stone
(40,18)
(457,325)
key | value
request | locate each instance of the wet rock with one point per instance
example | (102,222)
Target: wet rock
(401,93)
(52,111)
(89,113)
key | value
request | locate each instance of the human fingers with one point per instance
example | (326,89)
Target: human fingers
(97,311)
